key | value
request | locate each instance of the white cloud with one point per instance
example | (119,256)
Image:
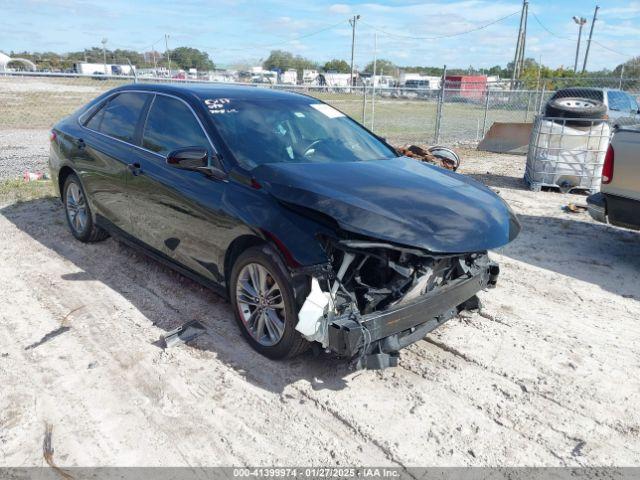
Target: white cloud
(629,11)
(340,8)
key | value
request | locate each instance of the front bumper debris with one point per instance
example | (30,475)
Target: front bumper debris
(376,338)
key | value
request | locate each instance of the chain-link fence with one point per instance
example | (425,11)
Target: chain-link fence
(459,111)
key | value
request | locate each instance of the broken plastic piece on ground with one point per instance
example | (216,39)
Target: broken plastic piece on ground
(33,176)
(442,156)
(575,208)
(182,334)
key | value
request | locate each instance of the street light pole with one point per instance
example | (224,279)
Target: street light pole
(586,54)
(580,21)
(168,52)
(353,21)
(104,55)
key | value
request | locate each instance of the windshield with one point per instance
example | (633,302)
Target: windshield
(260,131)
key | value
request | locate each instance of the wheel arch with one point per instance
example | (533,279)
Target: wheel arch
(301,284)
(63,174)
(236,248)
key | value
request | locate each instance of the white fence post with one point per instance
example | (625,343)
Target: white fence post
(486,111)
(436,138)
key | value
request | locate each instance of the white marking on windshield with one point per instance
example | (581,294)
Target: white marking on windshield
(219,105)
(327,110)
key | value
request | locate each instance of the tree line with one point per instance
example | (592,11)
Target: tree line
(181,57)
(281,60)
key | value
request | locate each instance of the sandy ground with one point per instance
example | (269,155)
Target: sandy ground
(548,374)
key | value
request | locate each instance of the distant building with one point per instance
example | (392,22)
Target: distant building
(468,86)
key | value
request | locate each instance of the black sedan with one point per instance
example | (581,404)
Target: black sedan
(312,226)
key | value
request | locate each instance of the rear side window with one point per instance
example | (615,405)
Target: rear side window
(119,117)
(618,101)
(171,125)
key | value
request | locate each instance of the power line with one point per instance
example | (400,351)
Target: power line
(571,40)
(448,35)
(612,50)
(549,31)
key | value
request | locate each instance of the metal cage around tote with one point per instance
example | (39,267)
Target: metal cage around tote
(567,153)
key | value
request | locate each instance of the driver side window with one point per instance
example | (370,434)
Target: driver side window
(171,125)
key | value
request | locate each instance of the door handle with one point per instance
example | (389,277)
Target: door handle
(134,168)
(80,144)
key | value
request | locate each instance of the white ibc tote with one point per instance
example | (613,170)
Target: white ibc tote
(567,153)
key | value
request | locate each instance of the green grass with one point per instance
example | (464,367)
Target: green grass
(16,191)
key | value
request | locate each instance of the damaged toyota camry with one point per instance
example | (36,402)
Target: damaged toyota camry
(316,230)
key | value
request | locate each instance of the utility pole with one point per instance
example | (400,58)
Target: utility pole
(523,44)
(104,55)
(167,52)
(586,54)
(580,21)
(353,21)
(373,89)
(519,54)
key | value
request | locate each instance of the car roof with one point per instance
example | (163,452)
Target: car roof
(205,91)
(594,89)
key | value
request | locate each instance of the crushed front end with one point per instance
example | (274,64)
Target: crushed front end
(374,298)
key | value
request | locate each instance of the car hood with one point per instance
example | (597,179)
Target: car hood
(399,200)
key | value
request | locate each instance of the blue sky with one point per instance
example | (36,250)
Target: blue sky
(245,31)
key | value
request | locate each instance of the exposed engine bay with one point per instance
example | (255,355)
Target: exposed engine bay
(366,279)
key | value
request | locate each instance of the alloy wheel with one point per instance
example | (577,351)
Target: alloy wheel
(261,304)
(577,102)
(76,208)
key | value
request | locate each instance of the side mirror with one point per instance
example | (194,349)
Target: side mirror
(190,158)
(196,159)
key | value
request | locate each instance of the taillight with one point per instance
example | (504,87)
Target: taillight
(607,169)
(52,136)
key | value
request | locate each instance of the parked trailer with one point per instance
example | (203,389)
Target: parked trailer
(86,68)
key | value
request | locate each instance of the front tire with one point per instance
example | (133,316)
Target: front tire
(264,304)
(78,212)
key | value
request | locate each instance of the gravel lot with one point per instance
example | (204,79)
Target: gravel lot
(23,150)
(547,375)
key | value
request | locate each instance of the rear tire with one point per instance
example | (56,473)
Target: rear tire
(78,212)
(251,306)
(576,108)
